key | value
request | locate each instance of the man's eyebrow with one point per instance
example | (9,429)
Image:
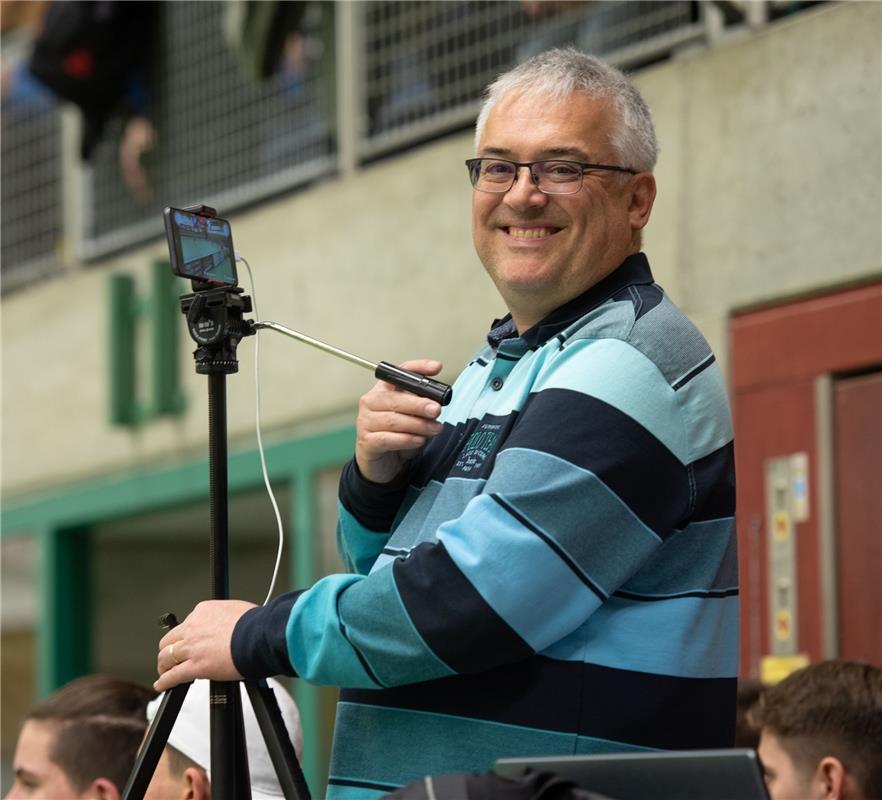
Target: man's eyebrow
(571,153)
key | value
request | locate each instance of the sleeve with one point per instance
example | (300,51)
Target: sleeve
(582,492)
(365,514)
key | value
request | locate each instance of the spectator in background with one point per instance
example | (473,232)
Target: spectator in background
(184,769)
(749,690)
(81,741)
(821,733)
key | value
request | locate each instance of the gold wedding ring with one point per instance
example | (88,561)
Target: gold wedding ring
(171,652)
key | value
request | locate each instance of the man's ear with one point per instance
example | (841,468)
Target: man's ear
(830,778)
(642,197)
(102,789)
(196,784)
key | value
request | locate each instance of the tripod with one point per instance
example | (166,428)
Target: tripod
(214,319)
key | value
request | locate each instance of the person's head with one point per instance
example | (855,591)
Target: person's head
(81,741)
(542,248)
(821,733)
(184,769)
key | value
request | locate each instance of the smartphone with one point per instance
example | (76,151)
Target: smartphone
(200,247)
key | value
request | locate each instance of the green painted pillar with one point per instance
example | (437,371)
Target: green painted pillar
(64,646)
(315,760)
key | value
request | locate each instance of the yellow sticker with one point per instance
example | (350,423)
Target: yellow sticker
(781,525)
(775,668)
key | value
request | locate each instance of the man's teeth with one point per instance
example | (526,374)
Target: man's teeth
(530,233)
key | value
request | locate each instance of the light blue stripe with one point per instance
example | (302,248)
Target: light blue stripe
(618,374)
(359,546)
(687,637)
(516,572)
(572,506)
(706,409)
(437,503)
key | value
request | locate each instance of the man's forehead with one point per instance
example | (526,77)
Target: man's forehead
(574,127)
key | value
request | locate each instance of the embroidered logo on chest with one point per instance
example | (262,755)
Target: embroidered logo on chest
(480,445)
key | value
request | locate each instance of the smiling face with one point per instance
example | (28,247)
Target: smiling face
(543,250)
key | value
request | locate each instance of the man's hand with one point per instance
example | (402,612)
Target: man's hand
(392,425)
(200,646)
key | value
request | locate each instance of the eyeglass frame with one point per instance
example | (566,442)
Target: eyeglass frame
(585,167)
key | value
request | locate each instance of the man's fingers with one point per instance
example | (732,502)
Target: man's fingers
(172,677)
(425,366)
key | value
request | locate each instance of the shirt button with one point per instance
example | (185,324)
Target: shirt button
(496,384)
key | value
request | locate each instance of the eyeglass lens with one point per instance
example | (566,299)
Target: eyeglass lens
(554,177)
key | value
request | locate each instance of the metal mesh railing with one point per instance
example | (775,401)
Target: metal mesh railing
(223,139)
(428,63)
(31,186)
(411,70)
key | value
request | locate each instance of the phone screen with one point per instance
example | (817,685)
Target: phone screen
(201,248)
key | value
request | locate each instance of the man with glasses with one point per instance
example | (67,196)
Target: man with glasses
(547,566)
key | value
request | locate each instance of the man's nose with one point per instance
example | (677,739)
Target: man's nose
(524,191)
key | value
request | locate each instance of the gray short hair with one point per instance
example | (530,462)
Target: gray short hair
(556,74)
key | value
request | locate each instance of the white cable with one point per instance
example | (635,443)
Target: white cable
(266,479)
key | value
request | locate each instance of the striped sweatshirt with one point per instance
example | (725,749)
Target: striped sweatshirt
(557,573)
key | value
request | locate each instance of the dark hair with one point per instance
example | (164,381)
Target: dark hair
(831,708)
(100,724)
(178,763)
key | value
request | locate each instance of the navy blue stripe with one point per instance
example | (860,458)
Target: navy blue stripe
(561,554)
(644,598)
(696,371)
(258,645)
(455,622)
(439,458)
(714,477)
(505,357)
(593,435)
(634,270)
(644,298)
(373,505)
(571,697)
(380,787)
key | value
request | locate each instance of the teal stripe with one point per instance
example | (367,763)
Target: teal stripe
(358,545)
(317,648)
(701,557)
(381,629)
(586,519)
(354,793)
(396,746)
(618,374)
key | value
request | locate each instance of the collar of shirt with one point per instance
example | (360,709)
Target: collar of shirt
(633,271)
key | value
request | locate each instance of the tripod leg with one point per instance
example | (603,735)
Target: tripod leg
(278,741)
(154,742)
(229,762)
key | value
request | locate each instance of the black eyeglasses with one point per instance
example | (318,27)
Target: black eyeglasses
(550,177)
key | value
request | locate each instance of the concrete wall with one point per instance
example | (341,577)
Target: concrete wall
(770,185)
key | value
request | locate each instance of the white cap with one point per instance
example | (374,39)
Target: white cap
(191,737)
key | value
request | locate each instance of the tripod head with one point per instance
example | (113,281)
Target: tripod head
(214,320)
